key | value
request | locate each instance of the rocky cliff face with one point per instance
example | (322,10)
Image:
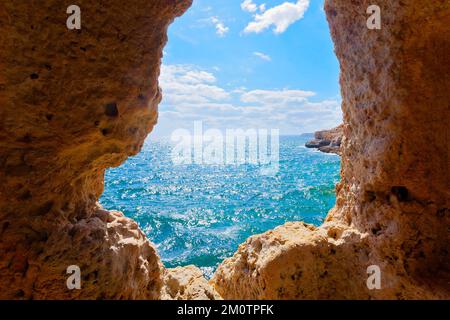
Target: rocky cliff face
(328,141)
(74,103)
(393,203)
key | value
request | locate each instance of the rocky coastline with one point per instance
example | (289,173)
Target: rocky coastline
(328,141)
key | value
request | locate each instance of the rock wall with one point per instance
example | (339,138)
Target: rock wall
(393,203)
(187,283)
(73,103)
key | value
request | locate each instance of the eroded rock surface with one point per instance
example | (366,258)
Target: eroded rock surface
(187,283)
(393,203)
(73,103)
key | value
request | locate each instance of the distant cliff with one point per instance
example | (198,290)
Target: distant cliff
(328,141)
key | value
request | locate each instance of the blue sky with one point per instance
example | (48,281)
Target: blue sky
(250,64)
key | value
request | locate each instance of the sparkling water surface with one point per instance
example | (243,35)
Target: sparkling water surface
(199,214)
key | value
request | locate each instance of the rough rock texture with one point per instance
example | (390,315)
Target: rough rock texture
(73,103)
(187,283)
(328,141)
(393,203)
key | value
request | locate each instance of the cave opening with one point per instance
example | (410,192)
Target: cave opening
(271,89)
(62,128)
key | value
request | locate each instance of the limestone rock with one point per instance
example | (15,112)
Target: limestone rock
(73,103)
(328,141)
(187,283)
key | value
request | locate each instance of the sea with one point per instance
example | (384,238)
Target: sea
(200,213)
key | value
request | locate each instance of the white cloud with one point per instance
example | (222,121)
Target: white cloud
(262,56)
(191,93)
(187,84)
(280,17)
(249,6)
(276,96)
(221,29)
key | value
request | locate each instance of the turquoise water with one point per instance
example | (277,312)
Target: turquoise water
(200,214)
